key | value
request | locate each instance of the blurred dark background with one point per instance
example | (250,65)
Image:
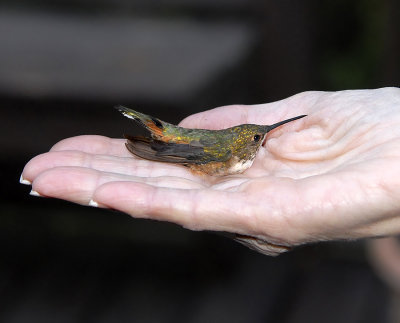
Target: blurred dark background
(65,64)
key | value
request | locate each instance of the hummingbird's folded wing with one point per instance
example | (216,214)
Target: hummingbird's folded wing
(170,152)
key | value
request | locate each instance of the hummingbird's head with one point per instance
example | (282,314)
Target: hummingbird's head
(248,138)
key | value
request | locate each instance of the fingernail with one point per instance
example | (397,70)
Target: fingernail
(24,181)
(34,193)
(93,203)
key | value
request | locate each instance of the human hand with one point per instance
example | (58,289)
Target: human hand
(332,175)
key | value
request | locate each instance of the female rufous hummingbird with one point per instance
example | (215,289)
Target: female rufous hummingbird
(214,152)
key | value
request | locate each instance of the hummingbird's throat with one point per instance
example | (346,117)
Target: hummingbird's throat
(239,166)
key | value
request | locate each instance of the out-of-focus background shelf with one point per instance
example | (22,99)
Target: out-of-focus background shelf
(116,58)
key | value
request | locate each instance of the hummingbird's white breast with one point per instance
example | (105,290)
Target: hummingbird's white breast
(239,166)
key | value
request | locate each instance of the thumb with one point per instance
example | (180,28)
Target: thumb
(217,118)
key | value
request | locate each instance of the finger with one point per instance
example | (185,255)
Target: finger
(77,184)
(131,166)
(218,118)
(94,145)
(268,113)
(71,184)
(196,209)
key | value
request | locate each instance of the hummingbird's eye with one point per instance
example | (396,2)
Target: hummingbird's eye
(256,138)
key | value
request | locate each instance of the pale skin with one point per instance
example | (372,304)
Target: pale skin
(334,174)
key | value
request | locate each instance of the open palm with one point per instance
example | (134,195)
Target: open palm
(332,175)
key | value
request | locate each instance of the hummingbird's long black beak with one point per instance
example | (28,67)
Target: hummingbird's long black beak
(275,125)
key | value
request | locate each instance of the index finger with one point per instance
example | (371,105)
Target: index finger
(94,144)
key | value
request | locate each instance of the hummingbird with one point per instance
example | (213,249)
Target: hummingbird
(213,152)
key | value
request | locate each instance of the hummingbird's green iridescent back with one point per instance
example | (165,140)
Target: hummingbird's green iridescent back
(215,152)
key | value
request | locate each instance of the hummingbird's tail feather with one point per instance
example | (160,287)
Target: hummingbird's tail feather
(154,125)
(275,125)
(157,150)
